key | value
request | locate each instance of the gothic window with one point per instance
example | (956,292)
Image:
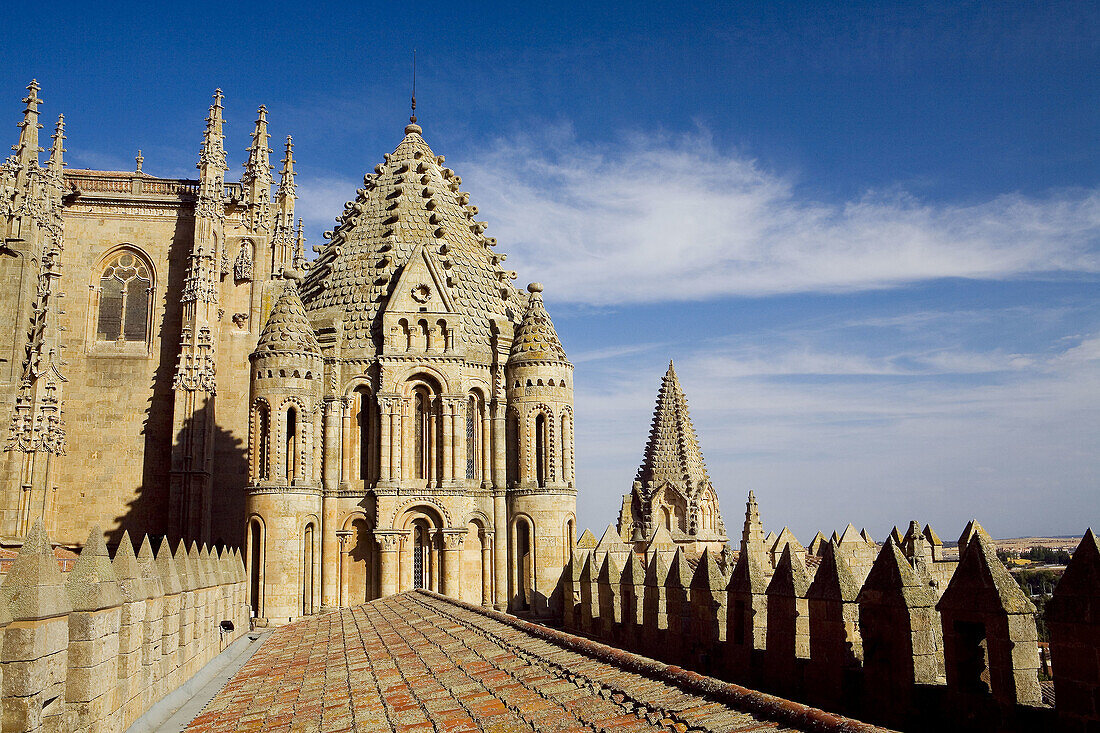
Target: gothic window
(125,292)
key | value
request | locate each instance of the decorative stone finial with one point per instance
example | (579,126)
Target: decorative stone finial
(137,162)
(534,288)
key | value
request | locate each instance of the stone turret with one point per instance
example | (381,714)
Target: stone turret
(284,455)
(540,399)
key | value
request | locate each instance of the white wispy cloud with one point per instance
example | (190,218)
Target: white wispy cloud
(1008,438)
(675,218)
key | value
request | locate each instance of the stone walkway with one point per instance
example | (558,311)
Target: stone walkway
(415,662)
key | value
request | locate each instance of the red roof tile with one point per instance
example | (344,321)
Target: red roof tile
(415,660)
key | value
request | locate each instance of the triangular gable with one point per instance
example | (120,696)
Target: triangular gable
(421,287)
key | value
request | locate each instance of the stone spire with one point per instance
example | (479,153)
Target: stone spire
(300,263)
(211,164)
(287,328)
(282,240)
(287,191)
(257,175)
(26,152)
(672,453)
(57,152)
(752,537)
(535,338)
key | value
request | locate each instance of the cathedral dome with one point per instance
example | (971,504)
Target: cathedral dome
(287,327)
(410,202)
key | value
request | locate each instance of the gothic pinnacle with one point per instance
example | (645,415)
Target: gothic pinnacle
(212,156)
(27,150)
(57,161)
(257,169)
(300,263)
(287,187)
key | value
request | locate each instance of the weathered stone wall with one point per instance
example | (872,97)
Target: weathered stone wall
(892,650)
(94,649)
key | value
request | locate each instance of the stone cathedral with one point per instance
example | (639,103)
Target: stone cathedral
(395,414)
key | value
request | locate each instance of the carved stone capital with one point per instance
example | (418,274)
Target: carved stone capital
(388,538)
(453,538)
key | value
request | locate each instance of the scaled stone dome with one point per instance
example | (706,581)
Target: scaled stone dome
(410,200)
(287,327)
(535,338)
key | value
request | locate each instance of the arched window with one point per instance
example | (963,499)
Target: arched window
(364,425)
(307,570)
(541,450)
(566,440)
(291,453)
(420,556)
(255,566)
(125,295)
(422,433)
(512,451)
(475,408)
(261,442)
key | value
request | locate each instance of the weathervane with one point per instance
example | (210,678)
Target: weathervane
(412,117)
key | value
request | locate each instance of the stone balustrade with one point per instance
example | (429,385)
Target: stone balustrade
(93,649)
(891,650)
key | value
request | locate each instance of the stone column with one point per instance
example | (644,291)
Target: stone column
(387,547)
(452,561)
(500,509)
(486,454)
(433,444)
(447,414)
(330,478)
(385,416)
(342,536)
(458,439)
(344,441)
(397,441)
(486,568)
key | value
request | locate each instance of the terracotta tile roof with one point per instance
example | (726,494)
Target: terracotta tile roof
(65,558)
(417,661)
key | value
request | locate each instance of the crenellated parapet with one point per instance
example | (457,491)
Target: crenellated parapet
(891,648)
(93,649)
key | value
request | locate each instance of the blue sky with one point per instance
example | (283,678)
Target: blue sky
(869,234)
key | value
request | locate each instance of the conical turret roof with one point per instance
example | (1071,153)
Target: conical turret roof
(672,453)
(411,200)
(536,339)
(287,327)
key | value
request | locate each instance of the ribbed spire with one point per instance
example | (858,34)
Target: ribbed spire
(672,453)
(26,152)
(57,151)
(535,338)
(287,328)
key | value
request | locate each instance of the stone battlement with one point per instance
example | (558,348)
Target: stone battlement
(891,648)
(94,648)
